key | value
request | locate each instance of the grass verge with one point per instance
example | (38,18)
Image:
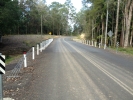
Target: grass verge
(128,50)
(10,58)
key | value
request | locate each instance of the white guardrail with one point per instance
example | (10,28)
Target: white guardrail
(28,57)
(88,42)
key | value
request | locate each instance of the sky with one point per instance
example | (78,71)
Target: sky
(76,3)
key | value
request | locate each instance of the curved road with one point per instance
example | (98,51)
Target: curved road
(68,70)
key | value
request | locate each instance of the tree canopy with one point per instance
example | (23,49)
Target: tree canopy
(119,20)
(28,16)
(36,17)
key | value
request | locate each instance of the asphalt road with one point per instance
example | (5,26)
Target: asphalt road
(68,70)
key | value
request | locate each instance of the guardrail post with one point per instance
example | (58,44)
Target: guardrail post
(99,45)
(25,59)
(87,42)
(95,44)
(44,44)
(92,43)
(82,41)
(37,49)
(33,52)
(40,47)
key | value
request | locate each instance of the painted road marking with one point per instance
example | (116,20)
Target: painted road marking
(123,85)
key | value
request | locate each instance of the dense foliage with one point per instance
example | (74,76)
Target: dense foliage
(117,14)
(35,17)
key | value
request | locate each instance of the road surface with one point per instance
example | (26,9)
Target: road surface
(68,70)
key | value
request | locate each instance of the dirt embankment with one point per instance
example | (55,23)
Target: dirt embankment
(16,44)
(13,46)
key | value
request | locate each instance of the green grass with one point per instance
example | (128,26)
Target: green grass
(10,58)
(128,50)
(27,43)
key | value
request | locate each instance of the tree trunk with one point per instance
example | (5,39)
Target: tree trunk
(102,31)
(131,38)
(128,14)
(122,33)
(113,22)
(117,21)
(92,30)
(18,29)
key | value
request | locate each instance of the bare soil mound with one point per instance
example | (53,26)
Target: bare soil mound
(16,44)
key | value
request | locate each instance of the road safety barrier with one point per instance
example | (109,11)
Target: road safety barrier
(28,57)
(88,42)
(2,71)
(2,64)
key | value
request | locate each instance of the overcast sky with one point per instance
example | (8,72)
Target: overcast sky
(76,3)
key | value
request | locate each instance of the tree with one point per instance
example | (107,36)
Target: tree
(117,21)
(9,16)
(59,15)
(128,17)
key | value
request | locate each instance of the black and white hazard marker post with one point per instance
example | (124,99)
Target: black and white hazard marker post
(2,71)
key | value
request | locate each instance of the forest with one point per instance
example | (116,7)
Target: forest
(36,17)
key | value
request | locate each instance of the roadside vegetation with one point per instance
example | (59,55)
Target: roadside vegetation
(24,17)
(10,58)
(128,50)
(15,45)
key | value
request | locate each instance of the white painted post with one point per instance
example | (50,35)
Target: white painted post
(95,44)
(99,45)
(89,42)
(44,44)
(33,52)
(92,43)
(37,49)
(40,47)
(25,60)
